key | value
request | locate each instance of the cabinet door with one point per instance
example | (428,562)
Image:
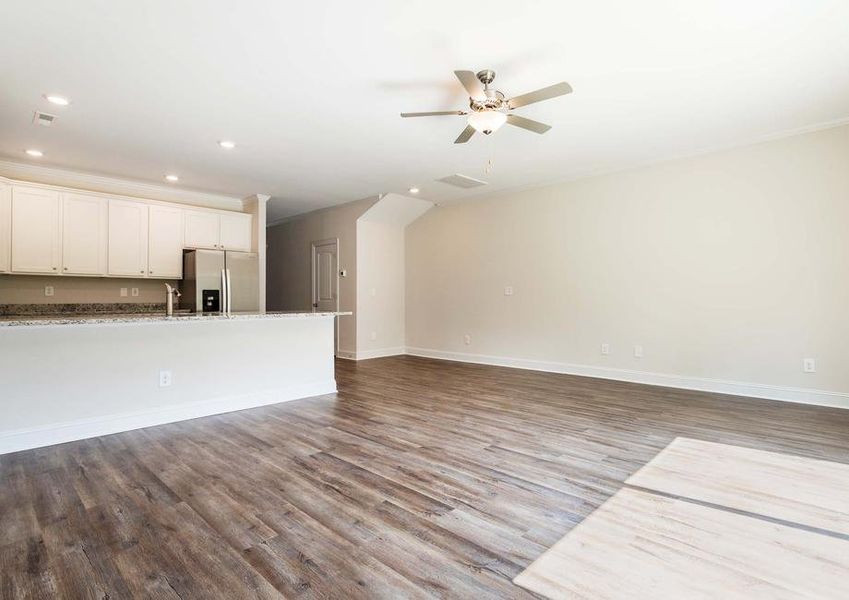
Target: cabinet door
(202,229)
(165,242)
(84,234)
(5,228)
(236,232)
(127,238)
(36,230)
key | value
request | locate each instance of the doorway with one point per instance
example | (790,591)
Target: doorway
(325,280)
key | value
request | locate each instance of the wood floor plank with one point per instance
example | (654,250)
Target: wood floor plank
(419,478)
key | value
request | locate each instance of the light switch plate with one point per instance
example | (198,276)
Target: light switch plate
(123,292)
(135,292)
(809,365)
(605,349)
(638,351)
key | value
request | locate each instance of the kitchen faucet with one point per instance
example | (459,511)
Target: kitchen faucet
(169,299)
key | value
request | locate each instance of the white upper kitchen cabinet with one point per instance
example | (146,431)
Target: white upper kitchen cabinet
(84,234)
(128,229)
(165,242)
(202,229)
(5,228)
(36,230)
(235,232)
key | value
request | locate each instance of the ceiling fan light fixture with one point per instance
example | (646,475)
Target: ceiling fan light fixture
(487,121)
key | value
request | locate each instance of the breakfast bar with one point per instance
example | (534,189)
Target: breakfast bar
(71,377)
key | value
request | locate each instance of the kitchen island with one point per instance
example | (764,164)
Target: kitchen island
(71,377)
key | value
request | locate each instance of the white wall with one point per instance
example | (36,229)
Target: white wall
(381,274)
(289,263)
(380,289)
(67,382)
(729,267)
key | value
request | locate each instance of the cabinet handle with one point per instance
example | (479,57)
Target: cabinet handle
(66,268)
(54,268)
(142,272)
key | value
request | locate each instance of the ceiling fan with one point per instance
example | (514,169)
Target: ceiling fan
(490,109)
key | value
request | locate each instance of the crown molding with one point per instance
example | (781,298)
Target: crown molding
(113,185)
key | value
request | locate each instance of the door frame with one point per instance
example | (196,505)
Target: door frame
(314,299)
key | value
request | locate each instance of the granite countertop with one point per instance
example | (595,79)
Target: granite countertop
(142,318)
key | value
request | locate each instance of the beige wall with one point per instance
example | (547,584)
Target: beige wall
(731,266)
(29,289)
(289,262)
(381,274)
(380,289)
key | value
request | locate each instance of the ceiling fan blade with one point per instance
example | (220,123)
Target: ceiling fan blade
(528,124)
(473,86)
(468,132)
(552,91)
(433,113)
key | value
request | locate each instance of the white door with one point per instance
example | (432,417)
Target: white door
(203,230)
(236,232)
(36,230)
(165,242)
(325,276)
(84,234)
(5,228)
(127,238)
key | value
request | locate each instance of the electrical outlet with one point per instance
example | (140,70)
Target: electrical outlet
(638,351)
(605,349)
(508,290)
(164,378)
(123,292)
(373,335)
(135,292)
(809,365)
(48,290)
(467,339)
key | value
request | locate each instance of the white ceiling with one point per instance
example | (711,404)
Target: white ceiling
(311,91)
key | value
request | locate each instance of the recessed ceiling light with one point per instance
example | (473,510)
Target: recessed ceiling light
(35,153)
(414,190)
(57,100)
(227,144)
(172,178)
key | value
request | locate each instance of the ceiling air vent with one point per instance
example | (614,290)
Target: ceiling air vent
(41,118)
(462,181)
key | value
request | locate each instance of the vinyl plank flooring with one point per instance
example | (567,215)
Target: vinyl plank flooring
(419,479)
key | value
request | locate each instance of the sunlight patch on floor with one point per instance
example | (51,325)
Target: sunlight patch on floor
(707,520)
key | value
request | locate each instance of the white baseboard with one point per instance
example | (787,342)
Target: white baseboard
(719,386)
(379,353)
(69,431)
(367,354)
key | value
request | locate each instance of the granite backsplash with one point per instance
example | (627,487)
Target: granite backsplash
(81,308)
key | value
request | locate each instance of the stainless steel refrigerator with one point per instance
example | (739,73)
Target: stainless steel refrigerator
(220,281)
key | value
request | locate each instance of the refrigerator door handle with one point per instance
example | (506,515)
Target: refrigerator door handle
(229,293)
(224,290)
